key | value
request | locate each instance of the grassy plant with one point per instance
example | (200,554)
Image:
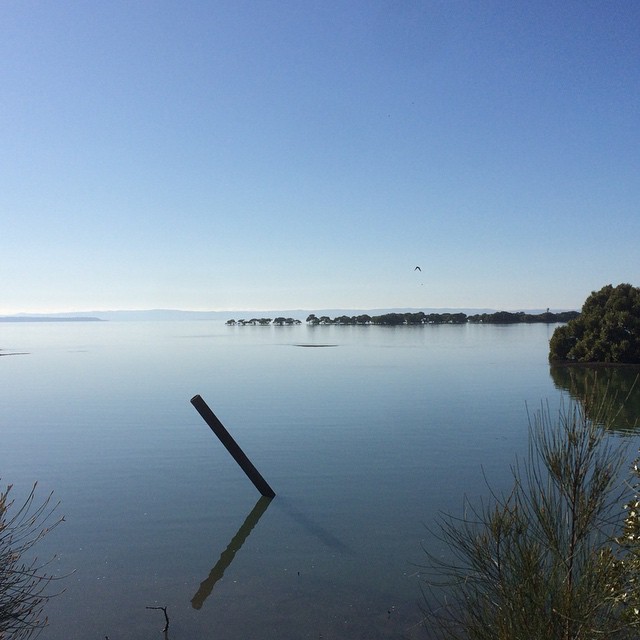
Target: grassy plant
(541,561)
(24,581)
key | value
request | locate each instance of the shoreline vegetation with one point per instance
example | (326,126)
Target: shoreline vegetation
(607,331)
(418,318)
(556,556)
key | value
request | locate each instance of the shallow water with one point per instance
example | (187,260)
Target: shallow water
(363,442)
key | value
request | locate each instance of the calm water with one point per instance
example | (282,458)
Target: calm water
(363,442)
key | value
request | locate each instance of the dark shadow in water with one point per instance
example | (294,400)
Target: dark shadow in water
(316,530)
(610,395)
(227,556)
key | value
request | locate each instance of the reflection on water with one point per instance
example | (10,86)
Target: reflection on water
(610,395)
(227,556)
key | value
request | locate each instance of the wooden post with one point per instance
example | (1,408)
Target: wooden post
(232,447)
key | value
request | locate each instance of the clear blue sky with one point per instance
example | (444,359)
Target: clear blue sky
(293,154)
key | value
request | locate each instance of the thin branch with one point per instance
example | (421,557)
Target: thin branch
(166,617)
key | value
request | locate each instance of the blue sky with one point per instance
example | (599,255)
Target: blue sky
(230,155)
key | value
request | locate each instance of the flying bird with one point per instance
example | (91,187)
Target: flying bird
(417,269)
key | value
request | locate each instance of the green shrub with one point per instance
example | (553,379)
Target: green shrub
(542,562)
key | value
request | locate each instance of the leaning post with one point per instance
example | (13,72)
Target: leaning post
(232,446)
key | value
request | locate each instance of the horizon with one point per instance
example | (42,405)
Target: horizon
(255,155)
(287,310)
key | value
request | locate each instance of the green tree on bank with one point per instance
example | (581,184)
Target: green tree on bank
(606,331)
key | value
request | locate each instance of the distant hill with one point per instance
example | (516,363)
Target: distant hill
(178,314)
(47,318)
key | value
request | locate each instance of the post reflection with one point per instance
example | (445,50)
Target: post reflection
(227,556)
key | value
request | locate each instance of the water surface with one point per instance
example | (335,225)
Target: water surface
(363,441)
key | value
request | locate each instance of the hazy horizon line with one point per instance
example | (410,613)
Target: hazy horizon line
(173,310)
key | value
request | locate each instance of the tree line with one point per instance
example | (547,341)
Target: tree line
(416,318)
(255,322)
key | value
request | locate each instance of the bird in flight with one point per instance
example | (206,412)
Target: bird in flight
(417,269)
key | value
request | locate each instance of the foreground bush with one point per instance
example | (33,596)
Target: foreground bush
(24,581)
(543,561)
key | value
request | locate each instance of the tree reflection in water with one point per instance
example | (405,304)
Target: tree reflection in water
(612,389)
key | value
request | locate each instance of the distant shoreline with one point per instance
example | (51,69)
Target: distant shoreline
(48,319)
(413,319)
(131,315)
